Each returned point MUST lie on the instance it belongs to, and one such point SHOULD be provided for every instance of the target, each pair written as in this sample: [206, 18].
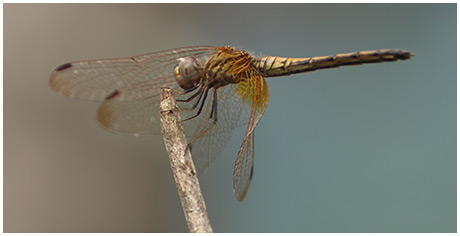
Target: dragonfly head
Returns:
[188, 73]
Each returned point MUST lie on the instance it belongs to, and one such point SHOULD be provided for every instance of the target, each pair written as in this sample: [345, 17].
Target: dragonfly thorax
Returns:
[228, 66]
[188, 73]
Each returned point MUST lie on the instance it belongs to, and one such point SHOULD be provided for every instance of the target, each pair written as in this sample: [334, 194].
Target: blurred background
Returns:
[355, 149]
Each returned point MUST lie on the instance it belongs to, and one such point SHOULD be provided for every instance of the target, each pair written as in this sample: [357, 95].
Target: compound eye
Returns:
[188, 73]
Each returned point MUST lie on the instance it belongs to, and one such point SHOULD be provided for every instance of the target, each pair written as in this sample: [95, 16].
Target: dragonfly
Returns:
[217, 90]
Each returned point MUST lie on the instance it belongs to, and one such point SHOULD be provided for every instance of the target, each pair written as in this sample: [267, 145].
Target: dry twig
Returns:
[182, 165]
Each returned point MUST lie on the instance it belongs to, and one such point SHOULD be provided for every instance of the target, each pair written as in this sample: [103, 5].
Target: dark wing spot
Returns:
[134, 59]
[252, 172]
[64, 66]
[112, 95]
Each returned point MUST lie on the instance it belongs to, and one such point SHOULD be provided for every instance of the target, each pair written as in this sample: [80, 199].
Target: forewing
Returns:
[94, 80]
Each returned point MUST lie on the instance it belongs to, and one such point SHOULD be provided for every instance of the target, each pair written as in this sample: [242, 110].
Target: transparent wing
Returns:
[94, 80]
[134, 109]
[244, 166]
[256, 92]
[131, 84]
[231, 113]
[238, 104]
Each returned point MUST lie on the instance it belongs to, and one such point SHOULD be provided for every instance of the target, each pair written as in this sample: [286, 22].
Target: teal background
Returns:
[356, 149]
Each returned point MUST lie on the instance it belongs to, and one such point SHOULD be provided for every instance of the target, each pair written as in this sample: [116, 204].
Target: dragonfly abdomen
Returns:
[280, 66]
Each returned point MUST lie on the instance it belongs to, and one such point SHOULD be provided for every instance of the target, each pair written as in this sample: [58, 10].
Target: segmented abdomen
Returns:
[279, 66]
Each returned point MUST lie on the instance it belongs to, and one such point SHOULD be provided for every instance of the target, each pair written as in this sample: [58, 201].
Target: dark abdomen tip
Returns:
[401, 54]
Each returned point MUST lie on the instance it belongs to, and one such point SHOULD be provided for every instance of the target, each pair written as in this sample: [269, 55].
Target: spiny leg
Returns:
[203, 101]
[214, 106]
[193, 95]
[212, 115]
[185, 91]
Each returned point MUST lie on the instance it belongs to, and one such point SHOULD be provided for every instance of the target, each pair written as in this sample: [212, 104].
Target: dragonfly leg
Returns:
[214, 106]
[196, 104]
[199, 92]
[184, 92]
[212, 115]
